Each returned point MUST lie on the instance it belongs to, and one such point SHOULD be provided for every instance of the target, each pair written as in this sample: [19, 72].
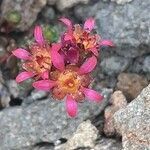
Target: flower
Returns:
[39, 59]
[86, 41]
[70, 52]
[71, 83]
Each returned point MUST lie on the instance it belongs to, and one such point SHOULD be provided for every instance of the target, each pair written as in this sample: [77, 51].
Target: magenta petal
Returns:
[56, 46]
[71, 106]
[24, 76]
[89, 24]
[44, 85]
[88, 66]
[106, 43]
[45, 75]
[38, 35]
[57, 59]
[94, 51]
[67, 22]
[92, 95]
[68, 37]
[21, 53]
[72, 55]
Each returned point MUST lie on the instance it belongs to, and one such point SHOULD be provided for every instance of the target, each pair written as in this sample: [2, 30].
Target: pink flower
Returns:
[71, 83]
[85, 40]
[39, 58]
[70, 52]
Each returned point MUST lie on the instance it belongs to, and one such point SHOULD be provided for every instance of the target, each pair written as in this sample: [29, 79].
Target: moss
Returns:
[13, 17]
[50, 33]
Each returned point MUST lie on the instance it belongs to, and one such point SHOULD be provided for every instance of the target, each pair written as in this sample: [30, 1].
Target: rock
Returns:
[137, 65]
[118, 101]
[146, 64]
[51, 2]
[133, 122]
[101, 144]
[141, 64]
[121, 24]
[48, 13]
[4, 97]
[27, 10]
[3, 44]
[4, 93]
[13, 88]
[108, 144]
[64, 4]
[106, 81]
[42, 121]
[34, 96]
[131, 84]
[114, 65]
[121, 1]
[85, 136]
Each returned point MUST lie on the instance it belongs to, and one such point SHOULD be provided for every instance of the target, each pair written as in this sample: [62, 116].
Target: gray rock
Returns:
[42, 121]
[114, 65]
[48, 13]
[85, 136]
[100, 144]
[108, 144]
[121, 1]
[34, 96]
[51, 2]
[4, 93]
[146, 64]
[141, 64]
[133, 122]
[64, 4]
[28, 11]
[121, 24]
[13, 88]
[137, 65]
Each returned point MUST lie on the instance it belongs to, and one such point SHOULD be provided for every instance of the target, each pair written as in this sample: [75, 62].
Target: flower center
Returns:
[69, 82]
[84, 38]
[41, 60]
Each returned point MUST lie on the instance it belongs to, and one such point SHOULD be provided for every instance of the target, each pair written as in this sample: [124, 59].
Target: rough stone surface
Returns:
[121, 24]
[131, 84]
[13, 88]
[133, 122]
[42, 121]
[121, 1]
[51, 2]
[146, 64]
[100, 144]
[48, 13]
[108, 144]
[118, 101]
[4, 93]
[35, 96]
[85, 136]
[3, 44]
[27, 9]
[114, 65]
[63, 4]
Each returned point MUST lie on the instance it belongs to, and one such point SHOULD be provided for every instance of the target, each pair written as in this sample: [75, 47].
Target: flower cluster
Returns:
[65, 67]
